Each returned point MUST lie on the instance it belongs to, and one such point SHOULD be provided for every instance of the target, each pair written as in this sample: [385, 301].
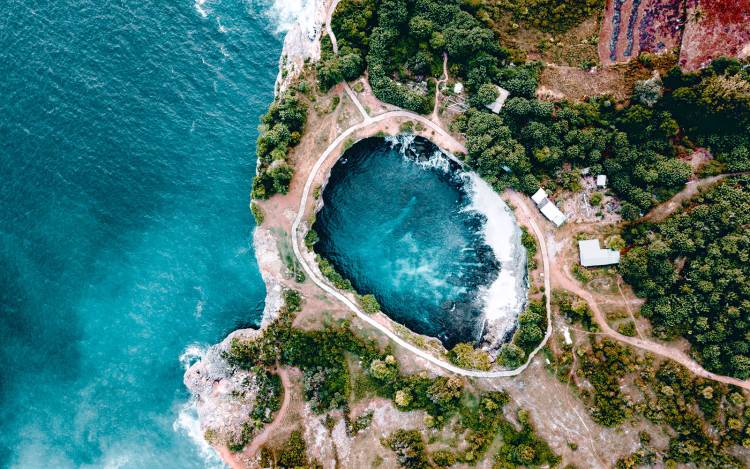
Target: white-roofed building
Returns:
[553, 213]
[540, 196]
[458, 88]
[502, 96]
[547, 208]
[601, 181]
[592, 255]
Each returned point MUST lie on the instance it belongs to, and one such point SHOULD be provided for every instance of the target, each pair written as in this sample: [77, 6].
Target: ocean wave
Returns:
[506, 296]
[283, 15]
[192, 354]
[405, 144]
[187, 424]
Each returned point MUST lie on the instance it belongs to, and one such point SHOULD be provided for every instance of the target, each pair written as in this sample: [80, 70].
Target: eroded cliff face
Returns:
[224, 395]
[302, 42]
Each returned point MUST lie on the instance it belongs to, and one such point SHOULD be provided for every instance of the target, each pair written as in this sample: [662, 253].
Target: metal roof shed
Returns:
[539, 197]
[553, 213]
[592, 255]
[502, 96]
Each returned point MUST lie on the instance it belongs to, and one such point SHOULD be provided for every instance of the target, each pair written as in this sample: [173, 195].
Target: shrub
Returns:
[329, 272]
[596, 199]
[627, 329]
[511, 355]
[409, 448]
[293, 453]
[257, 213]
[311, 238]
[369, 303]
[466, 356]
[648, 92]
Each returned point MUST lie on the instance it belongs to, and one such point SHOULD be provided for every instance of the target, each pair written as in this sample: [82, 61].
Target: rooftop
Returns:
[502, 96]
[553, 213]
[592, 255]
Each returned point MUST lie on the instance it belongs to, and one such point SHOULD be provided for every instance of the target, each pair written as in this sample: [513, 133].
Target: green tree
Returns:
[487, 94]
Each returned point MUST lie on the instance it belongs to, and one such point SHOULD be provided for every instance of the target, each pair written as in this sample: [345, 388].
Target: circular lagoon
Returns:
[436, 245]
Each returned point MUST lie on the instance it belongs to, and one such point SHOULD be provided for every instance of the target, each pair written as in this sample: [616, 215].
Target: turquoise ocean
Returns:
[127, 136]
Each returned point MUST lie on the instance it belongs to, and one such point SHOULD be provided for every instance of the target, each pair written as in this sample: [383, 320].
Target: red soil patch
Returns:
[723, 12]
[715, 28]
[701, 29]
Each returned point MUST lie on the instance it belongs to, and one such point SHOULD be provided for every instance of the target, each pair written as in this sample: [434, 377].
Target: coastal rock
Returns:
[224, 395]
[271, 270]
[302, 43]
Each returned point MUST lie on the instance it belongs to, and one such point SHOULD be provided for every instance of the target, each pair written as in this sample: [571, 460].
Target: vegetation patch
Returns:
[694, 271]
[281, 129]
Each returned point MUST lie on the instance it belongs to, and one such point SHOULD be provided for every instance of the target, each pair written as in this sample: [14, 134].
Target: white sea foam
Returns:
[405, 145]
[187, 422]
[201, 303]
[222, 29]
[201, 8]
[506, 296]
[193, 353]
[286, 14]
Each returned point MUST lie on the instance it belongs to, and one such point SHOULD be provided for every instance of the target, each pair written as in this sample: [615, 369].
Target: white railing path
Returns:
[312, 274]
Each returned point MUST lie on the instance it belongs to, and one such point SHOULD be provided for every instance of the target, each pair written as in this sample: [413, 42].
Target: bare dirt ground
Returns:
[576, 47]
[715, 28]
[562, 82]
[579, 207]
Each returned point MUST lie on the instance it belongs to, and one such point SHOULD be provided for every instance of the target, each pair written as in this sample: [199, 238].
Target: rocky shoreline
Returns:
[211, 380]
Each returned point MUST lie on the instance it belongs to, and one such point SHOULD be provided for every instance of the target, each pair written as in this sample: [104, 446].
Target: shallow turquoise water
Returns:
[397, 222]
[126, 153]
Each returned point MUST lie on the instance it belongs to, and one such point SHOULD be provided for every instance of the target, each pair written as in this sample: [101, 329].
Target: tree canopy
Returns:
[694, 271]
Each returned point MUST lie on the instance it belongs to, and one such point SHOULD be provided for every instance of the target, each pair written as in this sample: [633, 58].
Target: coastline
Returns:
[210, 379]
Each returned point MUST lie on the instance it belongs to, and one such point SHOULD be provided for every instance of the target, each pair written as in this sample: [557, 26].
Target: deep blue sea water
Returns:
[127, 136]
[397, 220]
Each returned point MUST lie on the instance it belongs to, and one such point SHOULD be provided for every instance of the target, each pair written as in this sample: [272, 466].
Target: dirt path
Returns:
[371, 125]
[335, 46]
[663, 210]
[628, 308]
[444, 79]
[692, 188]
[564, 279]
[238, 460]
[261, 438]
